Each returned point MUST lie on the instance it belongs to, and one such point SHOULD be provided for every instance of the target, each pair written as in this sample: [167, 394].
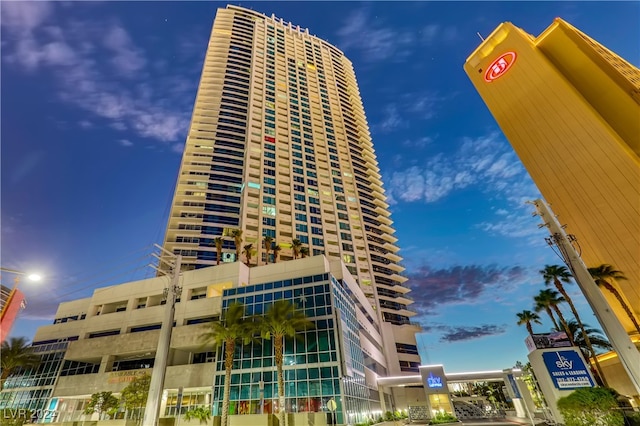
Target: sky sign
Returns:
[567, 370]
[434, 381]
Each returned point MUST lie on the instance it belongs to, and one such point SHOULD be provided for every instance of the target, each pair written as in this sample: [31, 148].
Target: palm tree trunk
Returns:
[587, 341]
[529, 329]
[278, 342]
[564, 325]
[553, 319]
[228, 366]
[624, 305]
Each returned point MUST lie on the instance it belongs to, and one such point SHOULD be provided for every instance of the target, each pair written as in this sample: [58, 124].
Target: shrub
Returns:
[203, 414]
[633, 419]
[443, 417]
[591, 407]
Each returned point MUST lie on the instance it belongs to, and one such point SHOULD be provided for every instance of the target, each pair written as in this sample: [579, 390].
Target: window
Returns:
[301, 217]
[316, 231]
[317, 242]
[269, 221]
[268, 210]
[301, 228]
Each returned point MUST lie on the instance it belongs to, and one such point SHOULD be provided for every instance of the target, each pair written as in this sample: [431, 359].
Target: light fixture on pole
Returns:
[10, 307]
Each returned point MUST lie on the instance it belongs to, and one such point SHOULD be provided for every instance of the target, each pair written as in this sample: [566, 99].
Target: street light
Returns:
[10, 297]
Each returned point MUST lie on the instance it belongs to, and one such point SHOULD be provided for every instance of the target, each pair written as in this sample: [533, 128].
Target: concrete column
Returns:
[383, 404]
[106, 363]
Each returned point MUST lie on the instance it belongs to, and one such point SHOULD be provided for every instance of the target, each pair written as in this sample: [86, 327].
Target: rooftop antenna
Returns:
[480, 36]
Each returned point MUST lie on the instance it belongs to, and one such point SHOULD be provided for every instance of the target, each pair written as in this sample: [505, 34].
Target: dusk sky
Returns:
[96, 101]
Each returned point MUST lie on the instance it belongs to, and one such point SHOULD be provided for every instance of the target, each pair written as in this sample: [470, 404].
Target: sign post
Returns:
[559, 372]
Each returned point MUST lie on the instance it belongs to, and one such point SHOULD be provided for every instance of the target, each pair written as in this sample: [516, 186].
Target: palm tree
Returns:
[247, 250]
[268, 242]
[296, 244]
[304, 252]
[527, 317]
[596, 339]
[543, 303]
[556, 275]
[282, 320]
[276, 252]
[218, 243]
[233, 329]
[550, 299]
[237, 240]
[601, 275]
[16, 354]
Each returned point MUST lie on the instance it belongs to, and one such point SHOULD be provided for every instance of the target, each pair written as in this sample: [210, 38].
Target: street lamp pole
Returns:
[627, 352]
[16, 281]
[154, 399]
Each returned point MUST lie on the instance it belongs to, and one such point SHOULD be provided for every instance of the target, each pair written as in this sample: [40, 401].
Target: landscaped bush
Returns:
[632, 419]
[443, 417]
[202, 414]
[591, 407]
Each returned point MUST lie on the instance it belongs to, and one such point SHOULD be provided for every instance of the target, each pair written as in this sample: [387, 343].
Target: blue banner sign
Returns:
[567, 370]
[514, 386]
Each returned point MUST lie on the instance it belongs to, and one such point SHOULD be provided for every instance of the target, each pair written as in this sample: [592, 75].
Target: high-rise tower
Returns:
[279, 147]
[570, 108]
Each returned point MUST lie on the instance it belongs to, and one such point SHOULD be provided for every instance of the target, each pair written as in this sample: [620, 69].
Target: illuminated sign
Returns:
[434, 381]
[500, 66]
[567, 370]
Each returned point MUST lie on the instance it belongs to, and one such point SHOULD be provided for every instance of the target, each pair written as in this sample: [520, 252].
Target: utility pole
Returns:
[171, 293]
[627, 352]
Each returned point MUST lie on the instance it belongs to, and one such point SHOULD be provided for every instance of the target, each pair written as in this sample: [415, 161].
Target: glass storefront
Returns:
[320, 364]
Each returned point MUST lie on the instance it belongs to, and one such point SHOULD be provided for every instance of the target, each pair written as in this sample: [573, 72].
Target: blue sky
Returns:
[96, 99]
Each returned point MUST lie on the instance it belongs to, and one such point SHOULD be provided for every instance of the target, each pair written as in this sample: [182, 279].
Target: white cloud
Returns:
[377, 43]
[391, 120]
[25, 16]
[78, 54]
[486, 162]
[85, 124]
[419, 143]
[435, 33]
[127, 58]
[125, 142]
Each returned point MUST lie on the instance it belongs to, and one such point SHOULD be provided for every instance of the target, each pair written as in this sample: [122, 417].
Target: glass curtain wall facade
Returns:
[323, 363]
[279, 147]
[31, 389]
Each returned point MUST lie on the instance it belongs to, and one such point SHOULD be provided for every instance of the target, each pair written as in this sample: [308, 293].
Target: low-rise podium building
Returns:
[103, 342]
